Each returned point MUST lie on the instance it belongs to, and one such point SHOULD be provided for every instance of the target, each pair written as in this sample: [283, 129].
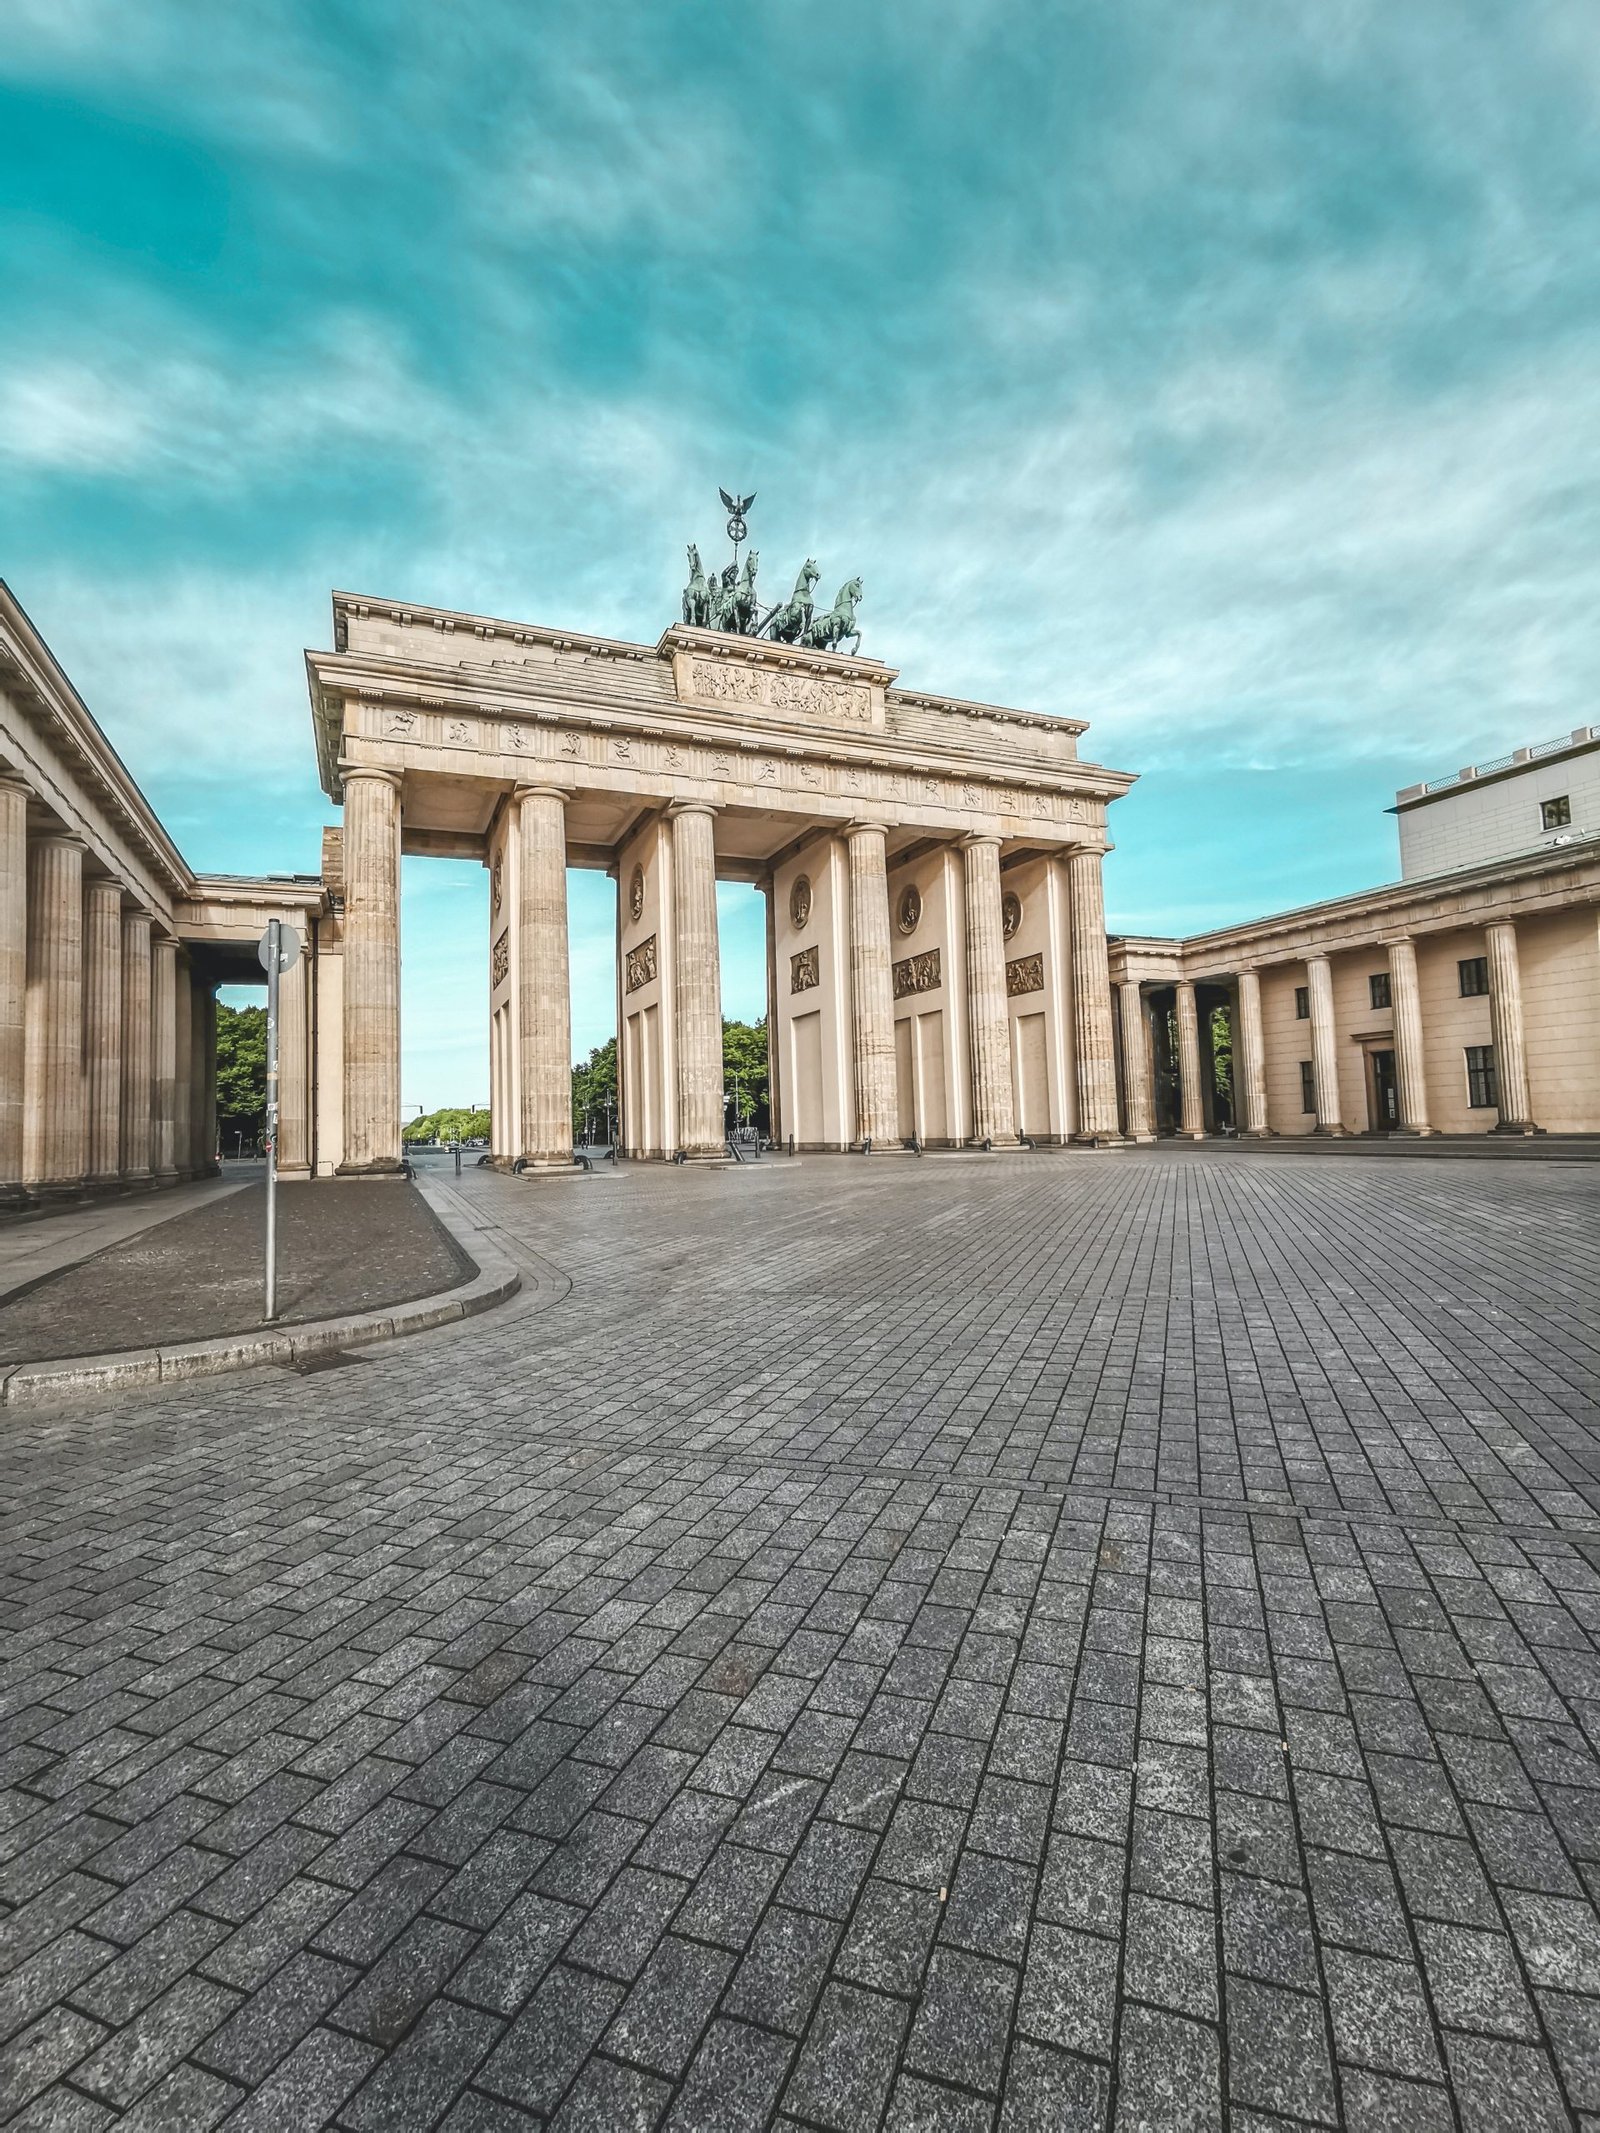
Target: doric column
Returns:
[163, 1059]
[544, 1007]
[182, 1065]
[1411, 1084]
[1091, 998]
[208, 1106]
[371, 972]
[13, 982]
[52, 1124]
[294, 1109]
[134, 1133]
[1191, 1103]
[202, 1051]
[697, 982]
[1505, 1019]
[1324, 1044]
[102, 1031]
[994, 1116]
[871, 995]
[1136, 1064]
[1250, 1059]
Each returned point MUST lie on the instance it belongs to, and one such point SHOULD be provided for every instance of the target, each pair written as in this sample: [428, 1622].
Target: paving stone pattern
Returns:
[1043, 1643]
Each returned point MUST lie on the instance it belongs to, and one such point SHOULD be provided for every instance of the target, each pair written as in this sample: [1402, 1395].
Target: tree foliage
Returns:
[744, 1071]
[463, 1124]
[241, 1072]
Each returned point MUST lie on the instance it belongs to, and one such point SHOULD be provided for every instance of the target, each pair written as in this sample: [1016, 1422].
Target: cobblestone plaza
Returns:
[1036, 1641]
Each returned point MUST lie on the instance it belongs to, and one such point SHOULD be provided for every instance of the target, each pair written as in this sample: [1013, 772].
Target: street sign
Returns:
[288, 946]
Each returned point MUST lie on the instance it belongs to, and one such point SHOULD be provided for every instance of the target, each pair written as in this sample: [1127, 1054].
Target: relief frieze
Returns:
[500, 958]
[642, 964]
[801, 696]
[1024, 974]
[917, 973]
[805, 970]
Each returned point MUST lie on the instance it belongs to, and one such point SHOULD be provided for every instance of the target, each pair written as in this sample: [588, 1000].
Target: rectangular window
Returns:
[1555, 814]
[1308, 1086]
[1474, 974]
[1302, 1003]
[1378, 986]
[1483, 1092]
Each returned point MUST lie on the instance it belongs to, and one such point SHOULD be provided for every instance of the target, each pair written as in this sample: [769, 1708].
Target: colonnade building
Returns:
[938, 966]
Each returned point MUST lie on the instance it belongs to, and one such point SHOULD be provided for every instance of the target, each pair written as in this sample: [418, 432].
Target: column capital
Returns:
[14, 781]
[1319, 955]
[350, 772]
[969, 839]
[693, 807]
[866, 827]
[68, 840]
[530, 791]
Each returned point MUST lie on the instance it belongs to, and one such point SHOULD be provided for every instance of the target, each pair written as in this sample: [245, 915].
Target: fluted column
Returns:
[1091, 998]
[208, 1084]
[1136, 1064]
[102, 1031]
[1324, 1044]
[994, 1117]
[697, 983]
[1411, 1082]
[202, 1044]
[1250, 1060]
[163, 1059]
[544, 1007]
[134, 1134]
[371, 973]
[294, 1109]
[52, 1125]
[1191, 1103]
[182, 1065]
[871, 995]
[13, 982]
[1505, 1018]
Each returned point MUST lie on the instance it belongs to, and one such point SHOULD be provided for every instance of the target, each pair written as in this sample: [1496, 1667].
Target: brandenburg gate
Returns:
[936, 944]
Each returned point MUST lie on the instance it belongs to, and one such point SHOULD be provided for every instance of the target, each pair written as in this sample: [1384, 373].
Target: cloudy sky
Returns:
[1228, 375]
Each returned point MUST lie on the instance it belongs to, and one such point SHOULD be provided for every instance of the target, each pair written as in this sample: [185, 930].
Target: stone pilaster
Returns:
[1505, 1017]
[544, 1005]
[52, 1123]
[134, 1131]
[13, 983]
[163, 1060]
[871, 991]
[294, 1096]
[994, 1115]
[1136, 1064]
[697, 983]
[1091, 998]
[1411, 1083]
[1250, 1059]
[102, 1032]
[1324, 1045]
[371, 973]
[1191, 1101]
[182, 1066]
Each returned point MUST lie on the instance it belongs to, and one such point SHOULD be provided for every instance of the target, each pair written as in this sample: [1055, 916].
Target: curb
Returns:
[28, 1385]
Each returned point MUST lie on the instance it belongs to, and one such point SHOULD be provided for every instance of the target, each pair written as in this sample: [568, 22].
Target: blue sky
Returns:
[1227, 375]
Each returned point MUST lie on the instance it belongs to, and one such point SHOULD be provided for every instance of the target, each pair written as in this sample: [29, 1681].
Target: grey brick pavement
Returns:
[1049, 1642]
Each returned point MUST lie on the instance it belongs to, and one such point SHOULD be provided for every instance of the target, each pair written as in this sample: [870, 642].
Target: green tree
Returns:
[459, 1124]
[241, 1072]
[744, 1071]
[594, 1085]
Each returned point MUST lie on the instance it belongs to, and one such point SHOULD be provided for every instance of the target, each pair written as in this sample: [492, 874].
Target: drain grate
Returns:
[322, 1359]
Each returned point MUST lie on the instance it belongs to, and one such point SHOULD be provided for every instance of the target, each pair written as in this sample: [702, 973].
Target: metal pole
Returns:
[274, 936]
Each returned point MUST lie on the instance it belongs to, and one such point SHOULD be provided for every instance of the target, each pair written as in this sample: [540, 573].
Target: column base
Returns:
[1189, 1133]
[1100, 1140]
[1413, 1133]
[544, 1166]
[288, 1174]
[389, 1167]
[1329, 1133]
[1523, 1131]
[718, 1154]
[16, 1200]
[1256, 1133]
[55, 1192]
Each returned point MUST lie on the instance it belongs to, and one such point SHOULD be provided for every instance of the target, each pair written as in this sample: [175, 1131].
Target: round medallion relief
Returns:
[1010, 913]
[908, 913]
[636, 893]
[800, 902]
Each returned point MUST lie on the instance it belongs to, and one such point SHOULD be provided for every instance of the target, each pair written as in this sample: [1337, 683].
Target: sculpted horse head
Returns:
[806, 582]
